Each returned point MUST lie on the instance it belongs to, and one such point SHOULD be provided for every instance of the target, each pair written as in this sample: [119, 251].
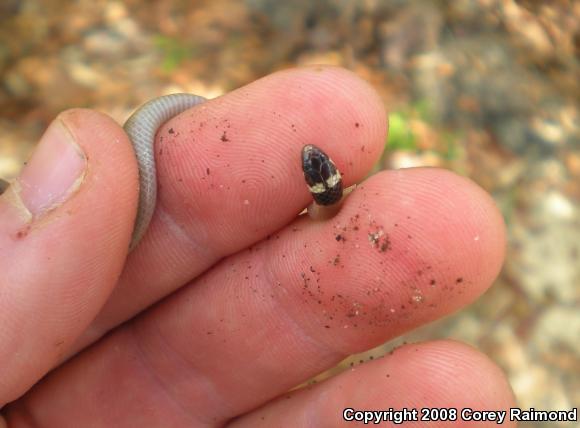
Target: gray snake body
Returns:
[322, 177]
[141, 128]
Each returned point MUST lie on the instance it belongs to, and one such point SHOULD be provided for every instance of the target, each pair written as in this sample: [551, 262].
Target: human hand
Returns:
[231, 299]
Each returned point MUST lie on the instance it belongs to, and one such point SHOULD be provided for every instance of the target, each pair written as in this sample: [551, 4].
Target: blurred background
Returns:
[487, 88]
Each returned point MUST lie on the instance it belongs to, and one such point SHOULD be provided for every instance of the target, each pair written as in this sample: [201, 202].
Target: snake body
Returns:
[322, 177]
[141, 128]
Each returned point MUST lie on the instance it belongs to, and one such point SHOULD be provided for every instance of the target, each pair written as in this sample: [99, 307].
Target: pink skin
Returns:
[260, 300]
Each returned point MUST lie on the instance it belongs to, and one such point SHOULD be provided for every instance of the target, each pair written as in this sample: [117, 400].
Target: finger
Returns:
[230, 174]
[437, 375]
[64, 229]
[266, 319]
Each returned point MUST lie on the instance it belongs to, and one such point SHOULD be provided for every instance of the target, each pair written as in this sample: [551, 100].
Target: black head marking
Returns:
[321, 175]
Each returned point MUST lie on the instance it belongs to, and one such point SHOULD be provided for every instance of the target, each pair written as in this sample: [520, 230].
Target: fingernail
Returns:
[54, 172]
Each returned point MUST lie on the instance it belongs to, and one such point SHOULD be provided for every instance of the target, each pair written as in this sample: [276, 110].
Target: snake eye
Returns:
[322, 177]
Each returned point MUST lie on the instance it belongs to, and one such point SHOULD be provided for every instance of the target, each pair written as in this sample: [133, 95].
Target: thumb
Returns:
[65, 226]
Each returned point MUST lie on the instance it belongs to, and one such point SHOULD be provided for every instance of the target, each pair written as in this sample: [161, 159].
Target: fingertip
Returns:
[448, 217]
[422, 383]
[480, 227]
[454, 368]
[407, 247]
[344, 113]
[103, 206]
[112, 176]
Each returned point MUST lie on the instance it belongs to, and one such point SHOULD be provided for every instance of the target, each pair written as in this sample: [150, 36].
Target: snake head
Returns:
[322, 177]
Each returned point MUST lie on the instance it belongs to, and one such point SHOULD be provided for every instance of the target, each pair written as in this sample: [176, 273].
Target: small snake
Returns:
[141, 128]
[322, 177]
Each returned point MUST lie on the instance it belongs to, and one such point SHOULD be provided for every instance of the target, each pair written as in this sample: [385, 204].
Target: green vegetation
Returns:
[173, 51]
[400, 135]
[451, 150]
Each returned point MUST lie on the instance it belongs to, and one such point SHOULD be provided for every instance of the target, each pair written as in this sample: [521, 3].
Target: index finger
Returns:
[229, 175]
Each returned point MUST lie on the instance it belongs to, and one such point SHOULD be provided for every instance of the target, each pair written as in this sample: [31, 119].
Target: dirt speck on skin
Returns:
[385, 245]
[374, 238]
[380, 310]
[171, 131]
[380, 240]
[22, 233]
[418, 298]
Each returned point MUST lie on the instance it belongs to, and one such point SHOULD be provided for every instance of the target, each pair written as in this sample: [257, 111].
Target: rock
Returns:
[546, 231]
[557, 333]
